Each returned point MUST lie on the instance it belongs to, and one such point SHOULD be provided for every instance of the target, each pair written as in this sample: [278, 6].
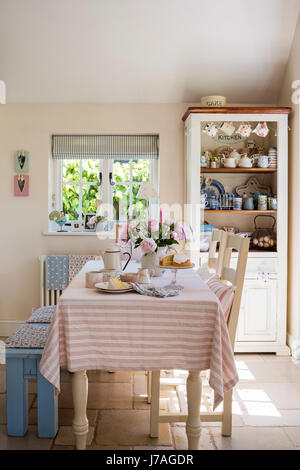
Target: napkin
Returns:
[155, 291]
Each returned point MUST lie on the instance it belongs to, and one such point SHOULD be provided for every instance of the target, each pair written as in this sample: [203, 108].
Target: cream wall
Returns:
[29, 126]
[293, 73]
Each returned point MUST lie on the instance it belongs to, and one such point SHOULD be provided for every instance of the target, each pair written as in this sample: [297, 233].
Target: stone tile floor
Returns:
[266, 410]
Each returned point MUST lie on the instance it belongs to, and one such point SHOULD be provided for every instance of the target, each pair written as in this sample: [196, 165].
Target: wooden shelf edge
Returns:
[237, 110]
[238, 170]
[211, 211]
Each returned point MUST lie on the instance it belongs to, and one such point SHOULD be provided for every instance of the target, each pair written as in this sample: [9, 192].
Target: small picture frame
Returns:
[21, 185]
[21, 161]
[89, 227]
[76, 226]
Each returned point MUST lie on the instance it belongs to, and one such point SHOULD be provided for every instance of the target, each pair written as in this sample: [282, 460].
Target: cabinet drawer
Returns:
[255, 265]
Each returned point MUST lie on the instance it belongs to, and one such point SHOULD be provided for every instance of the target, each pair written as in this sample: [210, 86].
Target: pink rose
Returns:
[153, 225]
[148, 245]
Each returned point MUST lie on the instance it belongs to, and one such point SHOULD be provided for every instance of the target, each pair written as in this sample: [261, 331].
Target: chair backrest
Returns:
[215, 257]
[56, 272]
[235, 276]
[48, 296]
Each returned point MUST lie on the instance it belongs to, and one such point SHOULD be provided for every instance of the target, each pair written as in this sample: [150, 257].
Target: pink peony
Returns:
[174, 235]
[153, 225]
[131, 224]
[148, 245]
[183, 231]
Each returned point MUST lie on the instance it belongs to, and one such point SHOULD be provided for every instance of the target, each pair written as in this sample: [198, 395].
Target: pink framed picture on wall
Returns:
[21, 185]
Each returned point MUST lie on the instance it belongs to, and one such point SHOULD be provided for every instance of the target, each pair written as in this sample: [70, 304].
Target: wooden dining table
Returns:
[92, 330]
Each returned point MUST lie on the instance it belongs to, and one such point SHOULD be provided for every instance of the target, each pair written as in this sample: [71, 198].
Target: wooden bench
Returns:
[24, 349]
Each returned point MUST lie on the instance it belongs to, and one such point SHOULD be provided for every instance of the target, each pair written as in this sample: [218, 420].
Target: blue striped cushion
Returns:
[42, 315]
[28, 336]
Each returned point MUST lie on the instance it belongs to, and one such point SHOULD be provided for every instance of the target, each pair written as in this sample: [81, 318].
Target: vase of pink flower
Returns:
[155, 237]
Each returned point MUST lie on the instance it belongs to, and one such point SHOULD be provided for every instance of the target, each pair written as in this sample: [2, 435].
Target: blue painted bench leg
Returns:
[16, 397]
[47, 406]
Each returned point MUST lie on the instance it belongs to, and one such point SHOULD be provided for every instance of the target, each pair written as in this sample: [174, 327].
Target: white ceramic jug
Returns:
[228, 162]
[112, 257]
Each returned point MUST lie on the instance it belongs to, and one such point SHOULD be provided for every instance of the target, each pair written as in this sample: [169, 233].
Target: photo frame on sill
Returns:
[89, 227]
[76, 226]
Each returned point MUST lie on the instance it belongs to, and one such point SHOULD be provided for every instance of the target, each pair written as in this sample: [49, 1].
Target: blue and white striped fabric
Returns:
[107, 147]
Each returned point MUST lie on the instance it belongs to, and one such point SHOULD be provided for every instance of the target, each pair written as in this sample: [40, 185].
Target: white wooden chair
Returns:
[234, 276]
[215, 254]
[213, 266]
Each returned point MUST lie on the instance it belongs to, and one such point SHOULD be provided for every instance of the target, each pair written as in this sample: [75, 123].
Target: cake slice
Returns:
[181, 260]
[167, 260]
[115, 283]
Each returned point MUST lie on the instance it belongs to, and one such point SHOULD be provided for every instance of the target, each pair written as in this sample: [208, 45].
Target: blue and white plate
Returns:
[214, 189]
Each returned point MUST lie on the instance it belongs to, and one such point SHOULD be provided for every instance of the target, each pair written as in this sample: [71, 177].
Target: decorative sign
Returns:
[229, 139]
[21, 185]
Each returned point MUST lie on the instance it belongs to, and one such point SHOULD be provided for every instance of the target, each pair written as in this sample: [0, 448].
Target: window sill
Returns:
[73, 234]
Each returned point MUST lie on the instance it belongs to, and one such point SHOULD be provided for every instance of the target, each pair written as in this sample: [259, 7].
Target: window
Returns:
[128, 177]
[110, 168]
[116, 182]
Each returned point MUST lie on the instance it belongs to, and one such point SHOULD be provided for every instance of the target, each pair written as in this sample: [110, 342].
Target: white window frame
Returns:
[105, 190]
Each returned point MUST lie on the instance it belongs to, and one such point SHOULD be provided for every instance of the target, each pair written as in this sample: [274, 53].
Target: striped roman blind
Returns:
[116, 147]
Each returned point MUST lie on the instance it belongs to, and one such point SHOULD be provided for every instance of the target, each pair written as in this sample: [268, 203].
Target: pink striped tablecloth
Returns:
[92, 330]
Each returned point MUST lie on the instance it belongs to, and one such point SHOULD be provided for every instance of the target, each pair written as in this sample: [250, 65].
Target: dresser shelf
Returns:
[239, 170]
[211, 211]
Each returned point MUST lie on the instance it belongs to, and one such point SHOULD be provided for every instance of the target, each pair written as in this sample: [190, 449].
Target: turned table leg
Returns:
[80, 422]
[193, 424]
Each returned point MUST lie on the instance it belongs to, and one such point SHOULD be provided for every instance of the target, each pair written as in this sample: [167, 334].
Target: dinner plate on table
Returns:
[103, 287]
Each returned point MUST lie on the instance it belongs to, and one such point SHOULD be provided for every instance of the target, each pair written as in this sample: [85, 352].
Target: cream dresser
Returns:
[262, 321]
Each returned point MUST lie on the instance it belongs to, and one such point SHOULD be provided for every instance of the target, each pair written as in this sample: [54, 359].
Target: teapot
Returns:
[236, 155]
[112, 257]
[246, 162]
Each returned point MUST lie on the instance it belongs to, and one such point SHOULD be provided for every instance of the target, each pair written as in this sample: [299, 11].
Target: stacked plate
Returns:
[273, 157]
[104, 287]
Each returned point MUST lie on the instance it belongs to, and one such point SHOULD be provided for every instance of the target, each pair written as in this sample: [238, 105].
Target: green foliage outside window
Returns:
[90, 174]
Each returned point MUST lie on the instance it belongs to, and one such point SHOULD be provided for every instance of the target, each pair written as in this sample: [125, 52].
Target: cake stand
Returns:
[174, 270]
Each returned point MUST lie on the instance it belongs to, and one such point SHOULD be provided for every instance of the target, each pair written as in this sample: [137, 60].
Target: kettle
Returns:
[112, 257]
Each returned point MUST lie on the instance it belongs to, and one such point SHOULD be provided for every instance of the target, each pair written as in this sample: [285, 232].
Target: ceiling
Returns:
[145, 50]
